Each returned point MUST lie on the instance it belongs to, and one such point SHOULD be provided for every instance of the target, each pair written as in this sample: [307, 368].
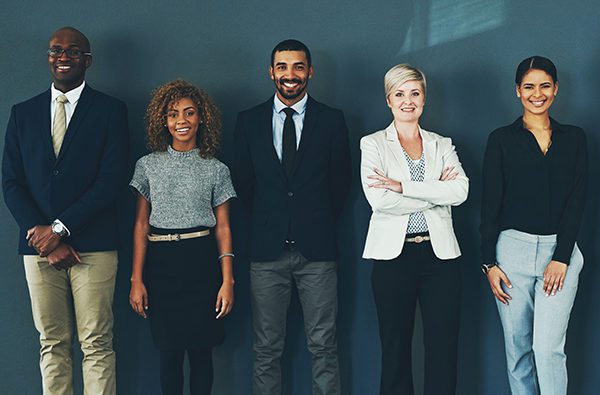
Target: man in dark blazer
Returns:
[64, 162]
[292, 171]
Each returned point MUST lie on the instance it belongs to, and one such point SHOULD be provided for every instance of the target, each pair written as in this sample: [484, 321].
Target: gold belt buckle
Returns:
[419, 239]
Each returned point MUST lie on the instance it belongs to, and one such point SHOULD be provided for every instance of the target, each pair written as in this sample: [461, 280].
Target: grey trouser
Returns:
[86, 290]
[271, 289]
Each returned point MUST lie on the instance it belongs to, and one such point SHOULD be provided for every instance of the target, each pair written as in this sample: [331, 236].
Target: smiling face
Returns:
[407, 101]
[182, 122]
[537, 91]
[290, 72]
[68, 73]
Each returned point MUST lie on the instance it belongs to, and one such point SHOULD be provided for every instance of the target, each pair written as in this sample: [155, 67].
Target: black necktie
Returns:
[289, 142]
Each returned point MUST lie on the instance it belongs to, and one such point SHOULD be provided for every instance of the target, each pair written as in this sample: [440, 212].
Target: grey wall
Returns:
[469, 50]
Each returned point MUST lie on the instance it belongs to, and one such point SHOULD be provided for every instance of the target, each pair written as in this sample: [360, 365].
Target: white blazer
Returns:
[387, 228]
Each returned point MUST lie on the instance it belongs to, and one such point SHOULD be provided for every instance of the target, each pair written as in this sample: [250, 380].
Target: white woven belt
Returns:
[417, 239]
[178, 236]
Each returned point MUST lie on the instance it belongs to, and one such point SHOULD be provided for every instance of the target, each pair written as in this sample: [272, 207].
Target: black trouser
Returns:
[417, 274]
[201, 371]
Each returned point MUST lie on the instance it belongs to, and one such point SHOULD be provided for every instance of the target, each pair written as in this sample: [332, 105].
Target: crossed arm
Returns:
[401, 197]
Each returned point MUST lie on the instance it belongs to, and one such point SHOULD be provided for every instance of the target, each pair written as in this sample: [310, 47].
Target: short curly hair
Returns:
[158, 137]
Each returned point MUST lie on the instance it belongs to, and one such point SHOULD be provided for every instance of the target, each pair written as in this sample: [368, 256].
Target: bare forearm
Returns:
[225, 246]
[140, 243]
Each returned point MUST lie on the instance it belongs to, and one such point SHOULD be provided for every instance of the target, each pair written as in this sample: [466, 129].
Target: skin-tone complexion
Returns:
[182, 122]
[536, 92]
[406, 103]
[290, 72]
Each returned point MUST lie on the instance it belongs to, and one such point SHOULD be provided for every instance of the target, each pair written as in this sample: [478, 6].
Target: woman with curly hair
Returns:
[181, 238]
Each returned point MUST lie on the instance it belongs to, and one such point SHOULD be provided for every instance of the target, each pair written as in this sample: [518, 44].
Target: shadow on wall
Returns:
[442, 21]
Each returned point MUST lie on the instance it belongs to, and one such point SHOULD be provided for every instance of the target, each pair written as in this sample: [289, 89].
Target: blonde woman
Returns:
[411, 178]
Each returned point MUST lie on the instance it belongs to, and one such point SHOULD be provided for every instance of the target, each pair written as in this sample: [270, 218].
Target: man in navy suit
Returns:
[292, 171]
[65, 160]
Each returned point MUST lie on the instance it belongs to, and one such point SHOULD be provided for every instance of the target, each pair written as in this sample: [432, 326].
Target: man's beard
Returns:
[298, 90]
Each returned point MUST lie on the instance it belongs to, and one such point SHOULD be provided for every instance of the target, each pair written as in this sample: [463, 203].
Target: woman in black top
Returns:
[534, 187]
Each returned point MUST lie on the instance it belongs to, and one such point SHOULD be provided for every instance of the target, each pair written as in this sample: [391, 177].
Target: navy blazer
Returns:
[308, 204]
[80, 186]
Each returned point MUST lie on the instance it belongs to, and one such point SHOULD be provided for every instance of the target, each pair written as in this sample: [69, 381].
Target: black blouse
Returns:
[530, 192]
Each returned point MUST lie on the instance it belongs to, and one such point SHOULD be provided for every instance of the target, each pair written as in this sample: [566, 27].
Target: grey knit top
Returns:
[182, 188]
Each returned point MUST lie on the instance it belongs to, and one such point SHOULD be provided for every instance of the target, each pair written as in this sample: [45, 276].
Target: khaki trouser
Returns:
[82, 295]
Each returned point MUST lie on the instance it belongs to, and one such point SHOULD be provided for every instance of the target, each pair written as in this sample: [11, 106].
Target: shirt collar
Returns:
[299, 107]
[519, 127]
[73, 95]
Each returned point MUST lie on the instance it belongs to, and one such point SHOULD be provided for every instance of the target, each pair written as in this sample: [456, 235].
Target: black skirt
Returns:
[183, 279]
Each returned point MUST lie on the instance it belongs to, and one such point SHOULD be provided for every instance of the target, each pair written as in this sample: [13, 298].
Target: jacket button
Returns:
[55, 172]
[290, 194]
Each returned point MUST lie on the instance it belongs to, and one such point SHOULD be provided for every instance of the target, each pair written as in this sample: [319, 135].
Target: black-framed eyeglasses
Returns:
[72, 53]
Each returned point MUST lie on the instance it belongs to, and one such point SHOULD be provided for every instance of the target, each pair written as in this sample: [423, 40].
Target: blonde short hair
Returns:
[400, 74]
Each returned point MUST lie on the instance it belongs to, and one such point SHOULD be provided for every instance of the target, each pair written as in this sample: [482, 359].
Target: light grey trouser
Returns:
[535, 325]
[87, 290]
[271, 288]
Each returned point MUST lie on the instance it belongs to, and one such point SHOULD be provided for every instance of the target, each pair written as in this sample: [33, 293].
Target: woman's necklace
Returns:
[541, 132]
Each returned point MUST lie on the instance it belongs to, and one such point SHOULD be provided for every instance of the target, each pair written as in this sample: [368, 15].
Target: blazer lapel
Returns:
[430, 152]
[265, 126]
[45, 126]
[308, 127]
[393, 145]
[83, 105]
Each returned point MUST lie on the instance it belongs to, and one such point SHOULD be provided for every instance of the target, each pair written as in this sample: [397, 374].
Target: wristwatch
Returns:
[59, 229]
[486, 267]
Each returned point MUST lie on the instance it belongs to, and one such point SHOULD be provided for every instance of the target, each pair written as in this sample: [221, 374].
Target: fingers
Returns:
[561, 283]
[445, 173]
[496, 277]
[552, 283]
[452, 176]
[218, 304]
[555, 286]
[224, 307]
[499, 293]
[449, 174]
[380, 184]
[75, 254]
[378, 172]
[140, 305]
[505, 280]
[30, 233]
[145, 303]
[141, 308]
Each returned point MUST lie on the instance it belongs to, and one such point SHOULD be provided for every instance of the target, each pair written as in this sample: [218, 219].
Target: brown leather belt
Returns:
[178, 236]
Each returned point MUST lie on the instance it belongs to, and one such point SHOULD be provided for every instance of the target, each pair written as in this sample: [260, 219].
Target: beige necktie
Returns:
[59, 126]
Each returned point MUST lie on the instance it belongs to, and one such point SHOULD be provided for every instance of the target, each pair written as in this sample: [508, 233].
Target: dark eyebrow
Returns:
[187, 108]
[69, 46]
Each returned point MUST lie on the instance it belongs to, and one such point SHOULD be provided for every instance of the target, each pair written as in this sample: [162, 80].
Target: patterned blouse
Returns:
[416, 221]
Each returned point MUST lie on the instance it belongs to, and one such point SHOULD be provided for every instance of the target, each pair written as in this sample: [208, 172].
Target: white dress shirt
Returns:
[73, 96]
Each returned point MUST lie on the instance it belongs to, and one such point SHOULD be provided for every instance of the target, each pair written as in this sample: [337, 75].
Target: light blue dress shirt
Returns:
[279, 119]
